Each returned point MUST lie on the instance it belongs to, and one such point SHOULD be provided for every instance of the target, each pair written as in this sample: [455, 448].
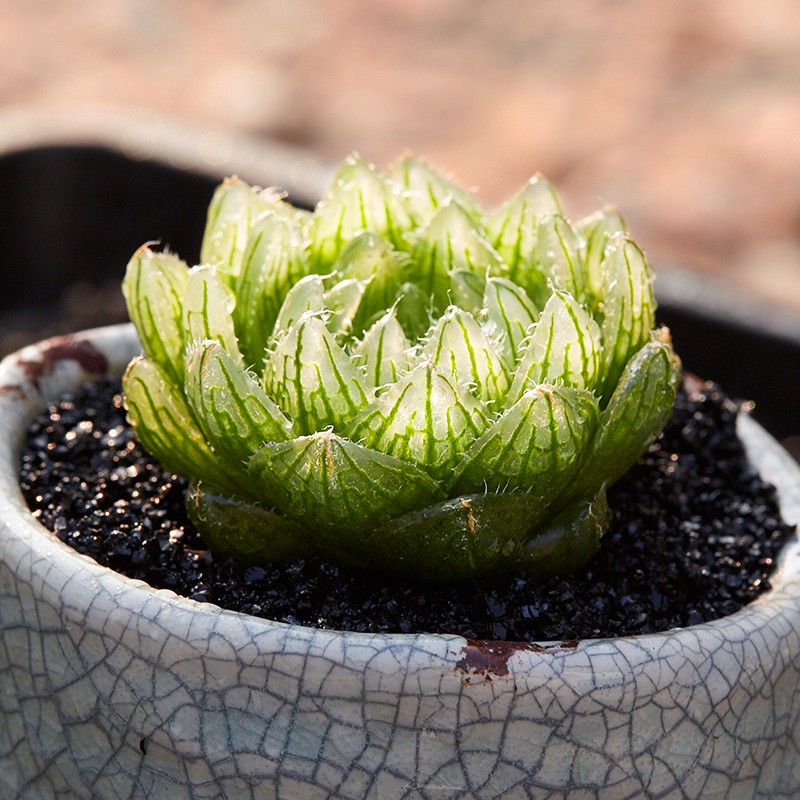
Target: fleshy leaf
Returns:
[488, 534]
[372, 259]
[273, 262]
[208, 310]
[413, 309]
[427, 189]
[359, 199]
[638, 410]
[233, 411]
[509, 313]
[452, 241]
[166, 427]
[559, 260]
[537, 446]
[425, 418]
[467, 289]
[233, 210]
[459, 347]
[246, 532]
[383, 352]
[342, 301]
[154, 289]
[629, 309]
[512, 228]
[312, 379]
[307, 295]
[325, 480]
[563, 348]
[598, 230]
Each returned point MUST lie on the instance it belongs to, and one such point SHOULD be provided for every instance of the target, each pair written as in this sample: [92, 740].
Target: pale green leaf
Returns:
[426, 189]
[359, 199]
[512, 228]
[467, 289]
[235, 414]
[325, 480]
[233, 210]
[273, 262]
[425, 418]
[558, 260]
[598, 230]
[383, 352]
[462, 351]
[154, 288]
[372, 259]
[509, 314]
[637, 412]
[342, 301]
[167, 428]
[537, 446]
[452, 241]
[563, 348]
[307, 295]
[208, 310]
[628, 307]
[312, 379]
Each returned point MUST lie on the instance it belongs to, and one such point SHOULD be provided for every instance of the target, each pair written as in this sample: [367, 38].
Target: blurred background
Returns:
[683, 113]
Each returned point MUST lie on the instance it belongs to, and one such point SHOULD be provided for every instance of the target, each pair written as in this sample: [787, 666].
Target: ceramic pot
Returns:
[110, 689]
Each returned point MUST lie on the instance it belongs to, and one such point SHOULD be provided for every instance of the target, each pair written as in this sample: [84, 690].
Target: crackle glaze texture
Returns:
[109, 689]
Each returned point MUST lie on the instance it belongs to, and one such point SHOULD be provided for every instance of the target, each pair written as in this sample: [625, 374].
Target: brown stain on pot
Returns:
[61, 348]
[488, 657]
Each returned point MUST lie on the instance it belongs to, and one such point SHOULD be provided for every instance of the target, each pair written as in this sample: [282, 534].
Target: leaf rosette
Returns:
[397, 380]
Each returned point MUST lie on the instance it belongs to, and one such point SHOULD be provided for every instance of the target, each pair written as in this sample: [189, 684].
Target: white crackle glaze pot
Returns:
[109, 689]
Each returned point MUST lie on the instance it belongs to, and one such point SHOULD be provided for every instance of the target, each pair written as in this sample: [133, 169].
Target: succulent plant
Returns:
[399, 381]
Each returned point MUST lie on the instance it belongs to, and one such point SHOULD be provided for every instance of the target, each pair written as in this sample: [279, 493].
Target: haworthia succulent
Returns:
[397, 381]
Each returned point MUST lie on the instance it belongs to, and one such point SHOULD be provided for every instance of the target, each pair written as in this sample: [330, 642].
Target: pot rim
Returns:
[39, 373]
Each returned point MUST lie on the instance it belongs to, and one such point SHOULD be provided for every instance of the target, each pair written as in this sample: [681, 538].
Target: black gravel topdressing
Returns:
[694, 538]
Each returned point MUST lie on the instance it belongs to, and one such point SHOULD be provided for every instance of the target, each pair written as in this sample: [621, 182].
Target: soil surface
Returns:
[695, 536]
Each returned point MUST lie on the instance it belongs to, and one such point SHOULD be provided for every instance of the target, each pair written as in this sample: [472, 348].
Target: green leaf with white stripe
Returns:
[509, 313]
[208, 310]
[312, 379]
[537, 446]
[154, 288]
[372, 259]
[307, 295]
[427, 189]
[467, 289]
[639, 408]
[342, 300]
[629, 309]
[563, 348]
[235, 414]
[426, 418]
[232, 213]
[383, 352]
[512, 228]
[359, 199]
[597, 231]
[460, 348]
[325, 480]
[273, 262]
[167, 428]
[559, 261]
[451, 242]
